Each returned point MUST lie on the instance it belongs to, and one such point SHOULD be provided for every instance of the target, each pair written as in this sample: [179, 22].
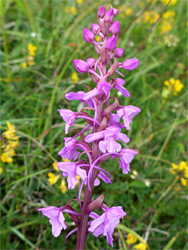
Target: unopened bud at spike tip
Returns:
[109, 15]
[88, 36]
[101, 12]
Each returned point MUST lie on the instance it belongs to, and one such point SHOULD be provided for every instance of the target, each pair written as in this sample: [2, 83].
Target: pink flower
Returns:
[56, 219]
[130, 64]
[126, 156]
[69, 151]
[69, 117]
[127, 113]
[71, 169]
[102, 88]
[81, 65]
[106, 223]
[114, 121]
[119, 86]
[110, 134]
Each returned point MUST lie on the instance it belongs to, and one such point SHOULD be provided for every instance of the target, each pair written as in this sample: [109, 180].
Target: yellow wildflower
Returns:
[169, 14]
[147, 16]
[165, 2]
[150, 17]
[75, 78]
[78, 177]
[10, 133]
[5, 157]
[174, 85]
[140, 246]
[54, 165]
[97, 38]
[24, 65]
[53, 178]
[79, 1]
[154, 18]
[131, 239]
[1, 170]
[73, 10]
[166, 27]
[128, 11]
[181, 172]
[32, 49]
[65, 159]
[63, 186]
[11, 143]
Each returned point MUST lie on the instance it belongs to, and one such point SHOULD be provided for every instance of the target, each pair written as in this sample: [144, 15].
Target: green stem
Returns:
[165, 193]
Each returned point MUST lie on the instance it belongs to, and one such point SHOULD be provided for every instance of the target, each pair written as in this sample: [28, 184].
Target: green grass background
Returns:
[30, 98]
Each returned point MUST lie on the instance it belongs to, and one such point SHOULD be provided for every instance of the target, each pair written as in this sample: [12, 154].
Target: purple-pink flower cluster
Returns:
[101, 139]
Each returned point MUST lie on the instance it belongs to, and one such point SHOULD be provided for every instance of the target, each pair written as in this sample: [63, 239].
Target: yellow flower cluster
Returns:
[140, 246]
[75, 78]
[12, 142]
[174, 85]
[181, 172]
[171, 40]
[167, 21]
[31, 50]
[72, 9]
[125, 11]
[131, 239]
[172, 2]
[150, 17]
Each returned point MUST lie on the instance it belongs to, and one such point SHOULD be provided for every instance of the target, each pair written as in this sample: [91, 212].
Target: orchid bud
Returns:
[101, 12]
[81, 65]
[115, 12]
[119, 52]
[95, 28]
[91, 61]
[108, 16]
[130, 64]
[115, 28]
[88, 36]
[111, 43]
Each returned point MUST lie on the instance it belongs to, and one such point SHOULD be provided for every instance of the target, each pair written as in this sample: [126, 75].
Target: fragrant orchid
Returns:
[101, 139]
